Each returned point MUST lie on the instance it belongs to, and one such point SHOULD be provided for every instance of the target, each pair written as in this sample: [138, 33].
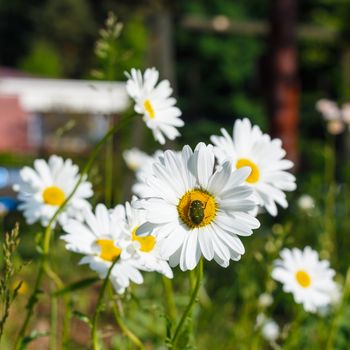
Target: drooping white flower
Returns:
[155, 103]
[248, 146]
[194, 210]
[43, 189]
[147, 247]
[101, 239]
[309, 279]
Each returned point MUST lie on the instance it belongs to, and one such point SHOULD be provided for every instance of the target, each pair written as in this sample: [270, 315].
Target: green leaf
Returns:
[75, 286]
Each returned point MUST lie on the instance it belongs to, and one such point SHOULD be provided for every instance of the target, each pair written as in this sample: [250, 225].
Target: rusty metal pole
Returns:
[283, 91]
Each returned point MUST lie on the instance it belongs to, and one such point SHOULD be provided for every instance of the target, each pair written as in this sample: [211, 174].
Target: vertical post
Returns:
[283, 94]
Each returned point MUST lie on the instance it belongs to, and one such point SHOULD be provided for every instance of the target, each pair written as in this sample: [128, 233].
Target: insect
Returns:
[196, 212]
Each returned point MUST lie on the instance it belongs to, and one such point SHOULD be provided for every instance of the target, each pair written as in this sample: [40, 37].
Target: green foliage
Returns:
[43, 60]
[8, 291]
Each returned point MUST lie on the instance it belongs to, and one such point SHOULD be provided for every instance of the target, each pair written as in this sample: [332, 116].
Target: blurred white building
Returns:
[56, 114]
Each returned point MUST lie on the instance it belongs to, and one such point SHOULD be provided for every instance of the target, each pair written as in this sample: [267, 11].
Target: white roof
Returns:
[78, 96]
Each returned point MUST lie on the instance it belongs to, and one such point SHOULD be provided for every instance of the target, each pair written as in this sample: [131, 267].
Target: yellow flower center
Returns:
[254, 175]
[109, 251]
[149, 109]
[303, 278]
[147, 243]
[197, 208]
[53, 195]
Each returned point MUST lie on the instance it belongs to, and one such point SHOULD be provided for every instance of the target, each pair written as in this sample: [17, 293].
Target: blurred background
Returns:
[268, 60]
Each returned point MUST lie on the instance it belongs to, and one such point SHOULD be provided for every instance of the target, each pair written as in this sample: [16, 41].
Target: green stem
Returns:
[44, 263]
[190, 304]
[330, 230]
[98, 308]
[66, 322]
[109, 167]
[125, 330]
[53, 324]
[336, 319]
[170, 305]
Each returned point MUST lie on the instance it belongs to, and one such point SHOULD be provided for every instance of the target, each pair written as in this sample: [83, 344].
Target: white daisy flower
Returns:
[101, 239]
[43, 189]
[154, 103]
[147, 247]
[248, 146]
[197, 211]
[309, 279]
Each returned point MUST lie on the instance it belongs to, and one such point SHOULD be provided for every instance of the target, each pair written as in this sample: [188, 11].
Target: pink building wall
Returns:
[13, 126]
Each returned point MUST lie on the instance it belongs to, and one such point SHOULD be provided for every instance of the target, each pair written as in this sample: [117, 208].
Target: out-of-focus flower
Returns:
[155, 103]
[309, 279]
[194, 210]
[335, 127]
[336, 117]
[328, 109]
[136, 159]
[43, 189]
[306, 202]
[248, 146]
[102, 240]
[147, 247]
[265, 300]
[270, 330]
[141, 163]
[346, 113]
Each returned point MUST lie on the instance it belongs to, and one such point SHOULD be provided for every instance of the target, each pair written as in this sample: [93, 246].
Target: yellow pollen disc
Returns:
[149, 109]
[254, 175]
[109, 251]
[197, 208]
[303, 278]
[147, 243]
[53, 195]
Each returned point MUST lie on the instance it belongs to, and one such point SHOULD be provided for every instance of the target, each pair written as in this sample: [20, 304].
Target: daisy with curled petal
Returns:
[155, 103]
[194, 210]
[309, 279]
[248, 146]
[43, 189]
[147, 247]
[101, 239]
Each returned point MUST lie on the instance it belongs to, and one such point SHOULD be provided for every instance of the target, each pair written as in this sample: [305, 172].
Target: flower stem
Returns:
[98, 308]
[44, 264]
[53, 324]
[330, 198]
[336, 318]
[170, 305]
[190, 304]
[125, 330]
